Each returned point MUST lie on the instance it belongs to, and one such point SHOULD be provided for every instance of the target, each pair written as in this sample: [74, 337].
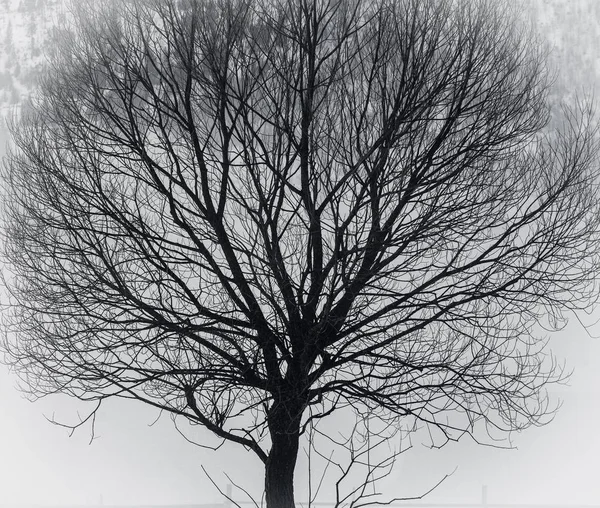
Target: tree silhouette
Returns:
[252, 214]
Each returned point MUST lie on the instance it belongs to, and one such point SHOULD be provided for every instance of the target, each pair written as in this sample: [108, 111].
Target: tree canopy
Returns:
[251, 214]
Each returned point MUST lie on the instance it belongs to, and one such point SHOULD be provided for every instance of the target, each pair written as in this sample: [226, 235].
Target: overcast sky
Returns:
[132, 462]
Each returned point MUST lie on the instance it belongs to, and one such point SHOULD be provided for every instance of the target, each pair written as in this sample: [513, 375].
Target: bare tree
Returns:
[251, 214]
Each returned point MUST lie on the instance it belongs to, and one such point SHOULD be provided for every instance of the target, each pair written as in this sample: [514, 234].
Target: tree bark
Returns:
[284, 427]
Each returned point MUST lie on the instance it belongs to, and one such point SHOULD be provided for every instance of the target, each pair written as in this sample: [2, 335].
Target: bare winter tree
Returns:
[251, 214]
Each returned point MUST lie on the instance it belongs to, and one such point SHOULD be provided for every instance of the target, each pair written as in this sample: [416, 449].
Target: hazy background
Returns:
[132, 462]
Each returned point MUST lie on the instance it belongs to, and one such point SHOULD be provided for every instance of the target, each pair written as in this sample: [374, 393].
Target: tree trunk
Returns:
[284, 427]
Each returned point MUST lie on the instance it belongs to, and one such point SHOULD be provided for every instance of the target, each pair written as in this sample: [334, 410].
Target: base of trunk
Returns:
[279, 469]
